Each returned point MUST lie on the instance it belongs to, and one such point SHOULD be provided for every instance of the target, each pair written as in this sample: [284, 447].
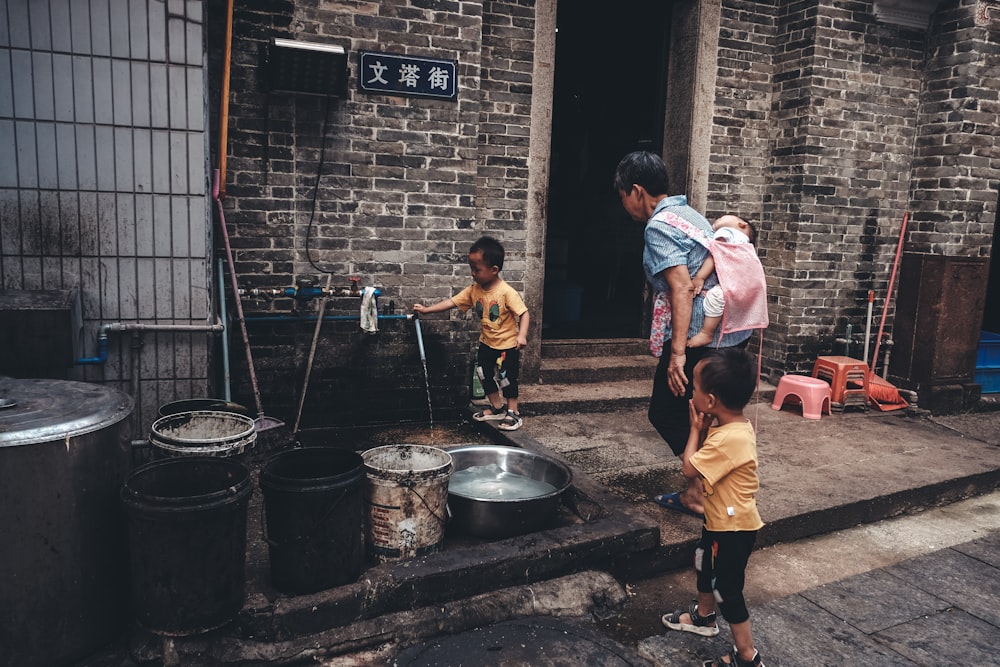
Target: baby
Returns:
[728, 229]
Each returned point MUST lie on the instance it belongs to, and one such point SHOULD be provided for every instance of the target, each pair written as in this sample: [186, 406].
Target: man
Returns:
[670, 258]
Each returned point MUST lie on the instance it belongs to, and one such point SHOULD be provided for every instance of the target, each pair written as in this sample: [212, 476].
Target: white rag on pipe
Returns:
[369, 311]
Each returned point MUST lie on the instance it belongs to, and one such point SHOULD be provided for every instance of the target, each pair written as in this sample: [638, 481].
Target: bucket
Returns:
[202, 433]
[312, 506]
[187, 529]
[201, 404]
[406, 496]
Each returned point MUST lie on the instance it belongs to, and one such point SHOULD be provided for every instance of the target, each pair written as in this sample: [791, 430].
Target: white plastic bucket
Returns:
[406, 498]
[202, 433]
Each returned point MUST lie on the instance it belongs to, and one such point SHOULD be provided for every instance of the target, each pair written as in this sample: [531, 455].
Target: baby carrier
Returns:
[740, 275]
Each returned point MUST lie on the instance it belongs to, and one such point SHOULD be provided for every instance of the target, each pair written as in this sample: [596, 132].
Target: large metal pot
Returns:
[63, 556]
[494, 516]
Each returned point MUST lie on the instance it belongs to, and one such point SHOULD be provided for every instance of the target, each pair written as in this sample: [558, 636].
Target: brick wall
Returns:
[957, 150]
[407, 185]
[842, 119]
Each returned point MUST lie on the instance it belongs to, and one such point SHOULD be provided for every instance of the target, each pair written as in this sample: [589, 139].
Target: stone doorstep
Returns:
[608, 535]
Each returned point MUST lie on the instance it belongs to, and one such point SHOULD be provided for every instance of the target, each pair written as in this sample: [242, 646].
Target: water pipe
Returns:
[420, 340]
[225, 334]
[302, 292]
[117, 327]
[326, 318]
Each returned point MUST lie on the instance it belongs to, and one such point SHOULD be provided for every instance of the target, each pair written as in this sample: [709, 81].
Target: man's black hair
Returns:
[642, 168]
[492, 251]
[731, 374]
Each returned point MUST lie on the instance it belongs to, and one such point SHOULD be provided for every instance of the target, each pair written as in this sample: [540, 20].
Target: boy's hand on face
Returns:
[700, 422]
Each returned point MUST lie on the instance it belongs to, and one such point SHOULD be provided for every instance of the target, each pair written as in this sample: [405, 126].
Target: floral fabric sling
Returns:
[740, 275]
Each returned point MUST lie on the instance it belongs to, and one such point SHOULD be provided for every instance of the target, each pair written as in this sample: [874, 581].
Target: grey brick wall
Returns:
[407, 185]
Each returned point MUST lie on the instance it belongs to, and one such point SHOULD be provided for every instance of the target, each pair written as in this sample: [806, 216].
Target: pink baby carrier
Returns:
[740, 275]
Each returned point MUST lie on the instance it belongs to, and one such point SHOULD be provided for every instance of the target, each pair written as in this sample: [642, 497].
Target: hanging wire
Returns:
[315, 195]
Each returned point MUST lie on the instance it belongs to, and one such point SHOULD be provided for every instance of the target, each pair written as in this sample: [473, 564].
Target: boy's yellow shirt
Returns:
[727, 462]
[498, 309]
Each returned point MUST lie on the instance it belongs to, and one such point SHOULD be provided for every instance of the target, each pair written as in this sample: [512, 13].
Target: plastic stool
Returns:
[848, 378]
[813, 394]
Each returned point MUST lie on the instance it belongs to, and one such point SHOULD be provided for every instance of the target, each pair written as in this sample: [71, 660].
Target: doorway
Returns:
[609, 95]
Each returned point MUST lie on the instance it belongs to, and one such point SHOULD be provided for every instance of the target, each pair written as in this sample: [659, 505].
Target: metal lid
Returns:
[38, 410]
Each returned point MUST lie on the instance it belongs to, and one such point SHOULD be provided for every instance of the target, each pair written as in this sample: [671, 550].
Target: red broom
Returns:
[881, 393]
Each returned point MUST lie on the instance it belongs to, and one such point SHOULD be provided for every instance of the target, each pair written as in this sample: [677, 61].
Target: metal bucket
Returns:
[406, 498]
[202, 433]
[64, 453]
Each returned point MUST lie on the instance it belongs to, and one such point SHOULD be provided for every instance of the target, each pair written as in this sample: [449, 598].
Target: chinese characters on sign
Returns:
[407, 75]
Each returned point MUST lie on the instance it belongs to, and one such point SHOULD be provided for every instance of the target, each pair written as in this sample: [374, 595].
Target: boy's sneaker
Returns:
[699, 625]
[491, 414]
[511, 422]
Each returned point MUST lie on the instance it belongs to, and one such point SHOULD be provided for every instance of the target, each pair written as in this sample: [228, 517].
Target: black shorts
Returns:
[510, 368]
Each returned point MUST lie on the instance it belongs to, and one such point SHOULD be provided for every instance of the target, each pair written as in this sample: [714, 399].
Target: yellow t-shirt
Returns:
[727, 462]
[498, 310]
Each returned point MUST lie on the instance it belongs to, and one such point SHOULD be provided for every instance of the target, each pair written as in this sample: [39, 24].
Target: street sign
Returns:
[389, 74]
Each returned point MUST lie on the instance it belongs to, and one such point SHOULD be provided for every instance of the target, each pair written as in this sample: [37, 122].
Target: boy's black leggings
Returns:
[721, 562]
[511, 366]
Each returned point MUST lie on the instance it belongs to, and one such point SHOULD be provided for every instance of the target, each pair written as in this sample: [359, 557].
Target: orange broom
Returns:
[881, 393]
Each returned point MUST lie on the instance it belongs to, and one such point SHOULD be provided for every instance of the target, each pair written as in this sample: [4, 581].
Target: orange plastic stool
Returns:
[814, 394]
[848, 378]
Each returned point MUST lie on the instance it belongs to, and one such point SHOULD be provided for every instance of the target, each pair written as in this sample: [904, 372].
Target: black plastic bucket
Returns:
[187, 525]
[202, 405]
[313, 518]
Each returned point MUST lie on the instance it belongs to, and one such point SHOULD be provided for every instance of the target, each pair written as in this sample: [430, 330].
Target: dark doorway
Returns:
[608, 100]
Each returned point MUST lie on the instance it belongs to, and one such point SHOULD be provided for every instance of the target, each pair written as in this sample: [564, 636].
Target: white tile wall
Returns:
[104, 178]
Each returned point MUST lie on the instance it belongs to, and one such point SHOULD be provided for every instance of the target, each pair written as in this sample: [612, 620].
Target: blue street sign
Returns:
[407, 75]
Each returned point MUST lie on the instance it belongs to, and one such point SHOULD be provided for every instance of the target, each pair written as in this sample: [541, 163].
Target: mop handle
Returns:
[888, 295]
[236, 295]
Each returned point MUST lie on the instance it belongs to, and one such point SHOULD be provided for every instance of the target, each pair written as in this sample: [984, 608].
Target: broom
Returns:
[881, 393]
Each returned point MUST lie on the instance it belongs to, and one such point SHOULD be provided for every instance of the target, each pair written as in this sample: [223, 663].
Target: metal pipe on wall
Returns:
[119, 327]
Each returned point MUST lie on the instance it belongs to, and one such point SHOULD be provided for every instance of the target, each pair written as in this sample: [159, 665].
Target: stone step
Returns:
[569, 370]
[594, 347]
[573, 398]
[554, 399]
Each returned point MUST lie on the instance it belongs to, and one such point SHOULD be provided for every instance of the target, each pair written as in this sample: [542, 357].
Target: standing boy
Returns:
[504, 320]
[724, 458]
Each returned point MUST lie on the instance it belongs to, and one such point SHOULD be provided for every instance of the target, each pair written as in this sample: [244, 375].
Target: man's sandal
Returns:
[733, 659]
[699, 625]
[491, 414]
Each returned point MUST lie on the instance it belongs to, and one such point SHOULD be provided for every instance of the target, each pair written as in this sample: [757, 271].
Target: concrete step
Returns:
[594, 347]
[567, 370]
[582, 397]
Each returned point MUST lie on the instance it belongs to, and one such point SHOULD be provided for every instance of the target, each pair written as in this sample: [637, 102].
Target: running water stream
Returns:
[423, 362]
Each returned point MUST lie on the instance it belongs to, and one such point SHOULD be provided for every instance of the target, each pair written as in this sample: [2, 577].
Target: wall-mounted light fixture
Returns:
[295, 66]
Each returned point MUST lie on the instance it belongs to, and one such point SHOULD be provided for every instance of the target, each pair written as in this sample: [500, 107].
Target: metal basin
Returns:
[488, 510]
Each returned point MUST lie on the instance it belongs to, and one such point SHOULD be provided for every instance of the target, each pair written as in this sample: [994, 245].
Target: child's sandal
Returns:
[733, 659]
[699, 625]
[491, 414]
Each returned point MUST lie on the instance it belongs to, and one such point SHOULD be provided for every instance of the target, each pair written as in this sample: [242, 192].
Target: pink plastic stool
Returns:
[812, 393]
